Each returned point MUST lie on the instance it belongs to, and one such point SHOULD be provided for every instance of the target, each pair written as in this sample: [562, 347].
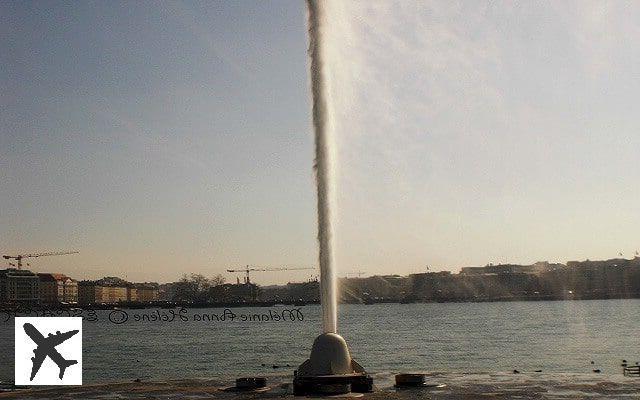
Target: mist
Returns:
[470, 133]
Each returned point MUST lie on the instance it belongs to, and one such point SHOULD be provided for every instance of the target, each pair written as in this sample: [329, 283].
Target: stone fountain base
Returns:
[330, 370]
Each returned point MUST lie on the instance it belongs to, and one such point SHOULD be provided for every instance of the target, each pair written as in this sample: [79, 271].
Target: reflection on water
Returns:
[563, 336]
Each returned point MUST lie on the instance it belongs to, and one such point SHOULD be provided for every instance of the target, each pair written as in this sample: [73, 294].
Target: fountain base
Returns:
[330, 370]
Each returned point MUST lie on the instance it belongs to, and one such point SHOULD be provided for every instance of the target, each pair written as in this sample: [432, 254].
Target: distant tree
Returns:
[200, 282]
[195, 287]
[185, 290]
[217, 280]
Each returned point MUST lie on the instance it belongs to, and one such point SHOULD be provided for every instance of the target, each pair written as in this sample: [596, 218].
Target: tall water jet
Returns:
[323, 167]
[330, 368]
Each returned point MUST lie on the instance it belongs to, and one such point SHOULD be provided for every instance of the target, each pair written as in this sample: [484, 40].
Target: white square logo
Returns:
[48, 351]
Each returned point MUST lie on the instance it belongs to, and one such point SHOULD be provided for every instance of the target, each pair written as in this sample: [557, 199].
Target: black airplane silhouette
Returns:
[47, 348]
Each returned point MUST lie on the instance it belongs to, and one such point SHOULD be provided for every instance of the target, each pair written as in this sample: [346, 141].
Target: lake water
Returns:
[560, 336]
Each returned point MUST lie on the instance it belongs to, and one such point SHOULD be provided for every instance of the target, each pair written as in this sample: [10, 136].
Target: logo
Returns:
[48, 351]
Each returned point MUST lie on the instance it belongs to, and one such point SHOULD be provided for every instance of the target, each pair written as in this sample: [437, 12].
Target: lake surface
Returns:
[558, 336]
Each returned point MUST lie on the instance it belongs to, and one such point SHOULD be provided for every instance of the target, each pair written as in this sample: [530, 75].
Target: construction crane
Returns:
[248, 269]
[19, 257]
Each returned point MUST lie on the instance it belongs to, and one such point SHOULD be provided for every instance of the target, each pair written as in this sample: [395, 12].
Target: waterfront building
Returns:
[111, 294]
[132, 293]
[112, 290]
[101, 292]
[538, 268]
[19, 287]
[57, 288]
[147, 292]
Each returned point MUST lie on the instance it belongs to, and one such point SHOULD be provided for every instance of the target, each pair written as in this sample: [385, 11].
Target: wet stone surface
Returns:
[452, 386]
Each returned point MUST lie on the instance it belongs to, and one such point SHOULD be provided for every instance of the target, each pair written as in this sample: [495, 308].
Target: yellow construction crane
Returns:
[248, 269]
[19, 257]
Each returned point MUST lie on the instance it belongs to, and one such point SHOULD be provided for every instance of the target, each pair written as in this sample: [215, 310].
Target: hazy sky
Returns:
[162, 138]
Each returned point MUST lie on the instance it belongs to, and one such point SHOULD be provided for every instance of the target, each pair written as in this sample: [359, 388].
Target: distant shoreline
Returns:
[264, 304]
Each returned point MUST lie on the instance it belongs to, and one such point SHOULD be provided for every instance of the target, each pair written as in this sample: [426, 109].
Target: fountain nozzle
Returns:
[330, 369]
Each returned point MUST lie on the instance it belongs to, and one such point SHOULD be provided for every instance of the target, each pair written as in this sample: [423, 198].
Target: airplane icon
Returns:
[46, 348]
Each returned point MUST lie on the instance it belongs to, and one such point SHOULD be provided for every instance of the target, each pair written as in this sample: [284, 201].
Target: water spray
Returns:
[323, 167]
[330, 368]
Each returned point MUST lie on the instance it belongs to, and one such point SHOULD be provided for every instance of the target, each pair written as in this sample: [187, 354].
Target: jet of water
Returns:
[323, 165]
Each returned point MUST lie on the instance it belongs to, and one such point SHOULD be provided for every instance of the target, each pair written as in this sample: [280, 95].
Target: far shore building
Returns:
[604, 264]
[102, 291]
[113, 290]
[19, 287]
[132, 293]
[538, 268]
[57, 288]
[147, 292]
[143, 292]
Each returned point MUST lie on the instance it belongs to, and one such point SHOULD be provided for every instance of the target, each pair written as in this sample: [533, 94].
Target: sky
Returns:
[158, 140]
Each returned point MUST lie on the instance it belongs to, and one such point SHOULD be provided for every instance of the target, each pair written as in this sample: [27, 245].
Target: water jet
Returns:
[330, 369]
